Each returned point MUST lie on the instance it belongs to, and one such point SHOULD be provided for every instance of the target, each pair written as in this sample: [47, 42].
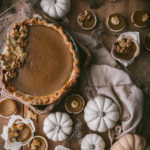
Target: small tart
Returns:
[74, 104]
[140, 18]
[8, 107]
[147, 41]
[19, 132]
[87, 20]
[50, 68]
[116, 22]
[126, 48]
[38, 143]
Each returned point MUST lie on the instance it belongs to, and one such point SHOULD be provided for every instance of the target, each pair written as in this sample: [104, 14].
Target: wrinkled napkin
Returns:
[104, 77]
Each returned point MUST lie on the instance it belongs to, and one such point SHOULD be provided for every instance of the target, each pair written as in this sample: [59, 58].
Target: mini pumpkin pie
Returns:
[87, 20]
[140, 18]
[40, 64]
[19, 132]
[116, 22]
[147, 41]
[7, 107]
[74, 104]
[38, 143]
[126, 48]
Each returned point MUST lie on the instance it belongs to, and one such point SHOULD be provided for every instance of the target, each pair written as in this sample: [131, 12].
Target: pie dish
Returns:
[46, 64]
[38, 143]
[140, 18]
[8, 107]
[116, 22]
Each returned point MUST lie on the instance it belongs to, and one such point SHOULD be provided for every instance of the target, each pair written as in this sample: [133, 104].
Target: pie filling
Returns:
[121, 22]
[49, 63]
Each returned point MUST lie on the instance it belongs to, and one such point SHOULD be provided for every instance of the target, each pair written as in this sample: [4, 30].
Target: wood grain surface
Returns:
[125, 7]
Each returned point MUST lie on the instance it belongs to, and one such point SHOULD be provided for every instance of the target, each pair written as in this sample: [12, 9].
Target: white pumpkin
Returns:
[92, 142]
[130, 142]
[101, 114]
[56, 8]
[57, 126]
[60, 147]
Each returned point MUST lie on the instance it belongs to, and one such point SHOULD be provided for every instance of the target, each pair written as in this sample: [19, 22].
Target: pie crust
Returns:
[58, 94]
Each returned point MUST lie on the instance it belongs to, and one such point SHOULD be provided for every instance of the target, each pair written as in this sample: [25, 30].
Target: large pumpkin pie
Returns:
[40, 64]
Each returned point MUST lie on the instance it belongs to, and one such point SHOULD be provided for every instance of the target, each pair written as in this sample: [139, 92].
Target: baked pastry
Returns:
[19, 132]
[74, 104]
[140, 18]
[38, 143]
[126, 48]
[116, 22]
[45, 60]
[8, 107]
[147, 41]
[87, 20]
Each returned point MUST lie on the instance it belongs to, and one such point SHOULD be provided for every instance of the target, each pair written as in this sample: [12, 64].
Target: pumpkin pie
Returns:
[140, 18]
[40, 64]
[74, 104]
[126, 48]
[87, 20]
[38, 143]
[7, 107]
[116, 22]
[19, 132]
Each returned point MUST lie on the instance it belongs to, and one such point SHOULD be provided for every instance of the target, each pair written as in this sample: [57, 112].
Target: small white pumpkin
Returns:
[57, 126]
[60, 147]
[56, 8]
[101, 114]
[92, 142]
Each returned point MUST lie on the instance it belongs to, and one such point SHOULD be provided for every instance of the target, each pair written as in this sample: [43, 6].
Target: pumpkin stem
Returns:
[92, 147]
[102, 114]
[58, 128]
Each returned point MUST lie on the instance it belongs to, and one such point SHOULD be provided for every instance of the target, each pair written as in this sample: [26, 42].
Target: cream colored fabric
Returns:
[104, 77]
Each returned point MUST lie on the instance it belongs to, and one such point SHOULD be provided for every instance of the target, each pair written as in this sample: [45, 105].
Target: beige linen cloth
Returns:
[104, 77]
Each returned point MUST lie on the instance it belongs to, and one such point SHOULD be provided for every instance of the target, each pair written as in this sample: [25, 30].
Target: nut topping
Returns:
[35, 144]
[115, 20]
[145, 17]
[14, 56]
[123, 46]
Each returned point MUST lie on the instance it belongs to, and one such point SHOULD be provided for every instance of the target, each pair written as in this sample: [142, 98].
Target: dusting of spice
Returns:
[87, 20]
[147, 41]
[74, 104]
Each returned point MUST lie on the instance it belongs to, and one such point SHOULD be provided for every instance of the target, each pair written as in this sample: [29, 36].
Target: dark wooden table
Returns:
[126, 7]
